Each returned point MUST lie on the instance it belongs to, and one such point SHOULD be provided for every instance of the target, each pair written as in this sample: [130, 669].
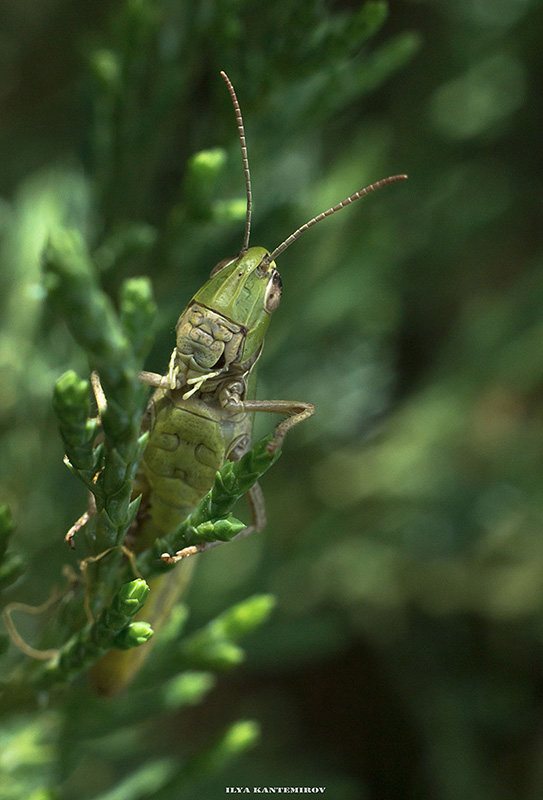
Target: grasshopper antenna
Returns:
[373, 187]
[241, 131]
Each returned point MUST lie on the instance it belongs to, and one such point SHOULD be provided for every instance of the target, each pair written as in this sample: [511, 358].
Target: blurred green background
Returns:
[404, 542]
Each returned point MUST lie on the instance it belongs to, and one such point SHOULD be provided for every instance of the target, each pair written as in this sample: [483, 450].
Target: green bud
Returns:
[132, 595]
[221, 530]
[106, 69]
[137, 313]
[187, 689]
[241, 736]
[71, 397]
[225, 480]
[71, 403]
[137, 297]
[259, 458]
[243, 618]
[368, 20]
[236, 740]
[230, 210]
[6, 527]
[201, 651]
[10, 570]
[43, 794]
[203, 171]
[204, 531]
[226, 529]
[207, 165]
[134, 635]
[140, 632]
[65, 253]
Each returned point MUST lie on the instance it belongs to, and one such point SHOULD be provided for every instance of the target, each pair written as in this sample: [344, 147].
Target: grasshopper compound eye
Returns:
[274, 289]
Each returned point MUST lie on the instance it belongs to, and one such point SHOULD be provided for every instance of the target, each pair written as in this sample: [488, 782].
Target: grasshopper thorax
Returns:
[225, 323]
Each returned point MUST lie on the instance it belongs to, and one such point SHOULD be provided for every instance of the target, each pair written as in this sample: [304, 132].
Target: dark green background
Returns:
[405, 541]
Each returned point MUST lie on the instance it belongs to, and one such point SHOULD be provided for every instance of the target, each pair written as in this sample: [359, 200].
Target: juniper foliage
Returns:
[141, 185]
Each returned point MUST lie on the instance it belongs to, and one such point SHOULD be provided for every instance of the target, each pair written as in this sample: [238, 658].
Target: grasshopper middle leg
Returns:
[295, 411]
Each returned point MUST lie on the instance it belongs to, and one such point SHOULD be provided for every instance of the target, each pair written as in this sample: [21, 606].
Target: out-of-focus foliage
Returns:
[404, 542]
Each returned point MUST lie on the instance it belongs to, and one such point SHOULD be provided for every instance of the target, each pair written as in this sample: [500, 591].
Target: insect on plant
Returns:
[200, 414]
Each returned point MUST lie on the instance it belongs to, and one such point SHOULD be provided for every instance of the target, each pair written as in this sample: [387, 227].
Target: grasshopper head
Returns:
[227, 319]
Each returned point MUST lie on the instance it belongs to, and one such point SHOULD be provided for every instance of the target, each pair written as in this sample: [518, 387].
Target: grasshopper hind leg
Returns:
[255, 495]
[257, 506]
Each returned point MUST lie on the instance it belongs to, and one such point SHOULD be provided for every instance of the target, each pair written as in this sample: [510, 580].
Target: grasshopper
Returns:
[201, 412]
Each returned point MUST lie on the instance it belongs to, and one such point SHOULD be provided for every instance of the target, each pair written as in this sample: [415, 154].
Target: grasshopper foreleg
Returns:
[175, 379]
[154, 379]
[101, 404]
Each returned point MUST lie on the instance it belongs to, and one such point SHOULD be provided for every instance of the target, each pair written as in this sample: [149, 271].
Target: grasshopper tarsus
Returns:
[192, 550]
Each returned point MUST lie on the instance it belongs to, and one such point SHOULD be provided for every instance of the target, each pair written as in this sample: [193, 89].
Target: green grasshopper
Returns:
[201, 412]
